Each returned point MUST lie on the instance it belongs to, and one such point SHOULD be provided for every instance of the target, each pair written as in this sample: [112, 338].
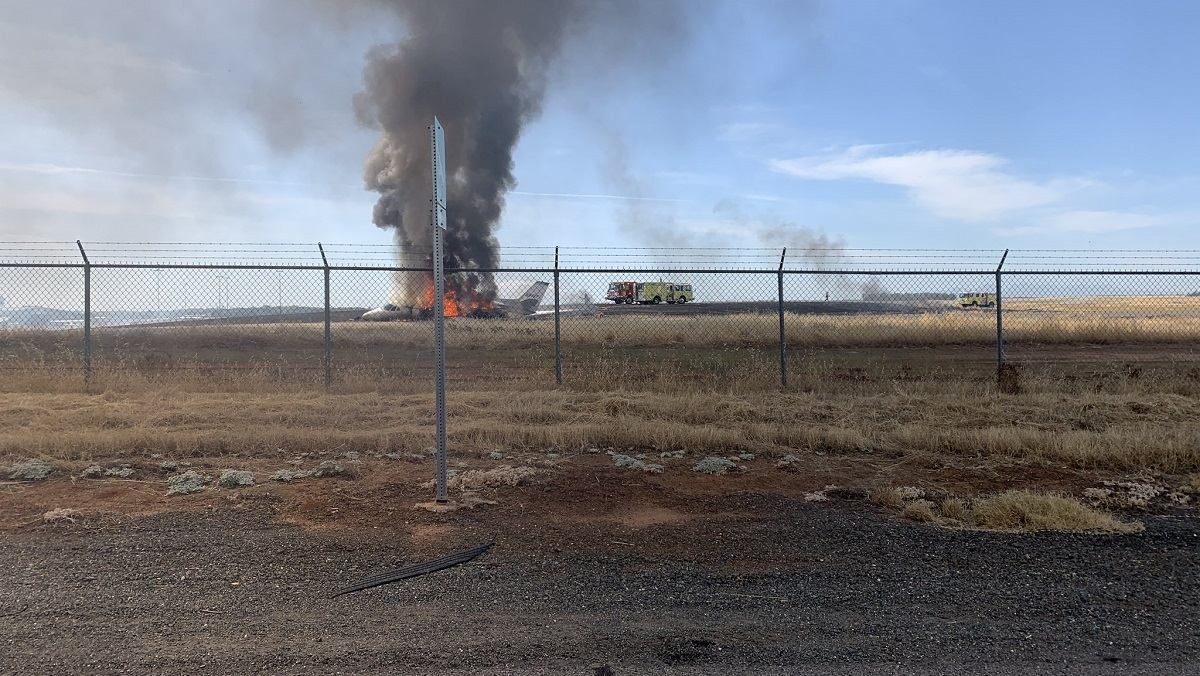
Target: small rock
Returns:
[673, 454]
[235, 478]
[30, 470]
[168, 465]
[190, 481]
[496, 455]
[714, 465]
[286, 475]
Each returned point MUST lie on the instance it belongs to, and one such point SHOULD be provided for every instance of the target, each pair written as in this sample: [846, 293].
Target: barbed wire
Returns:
[617, 258]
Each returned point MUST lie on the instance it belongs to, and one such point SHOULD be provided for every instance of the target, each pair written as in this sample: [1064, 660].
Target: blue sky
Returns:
[878, 124]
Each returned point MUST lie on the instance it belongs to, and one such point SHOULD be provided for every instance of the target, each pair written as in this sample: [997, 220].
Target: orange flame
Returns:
[452, 306]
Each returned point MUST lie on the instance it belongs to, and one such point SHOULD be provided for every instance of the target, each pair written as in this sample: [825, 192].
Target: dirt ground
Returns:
[593, 565]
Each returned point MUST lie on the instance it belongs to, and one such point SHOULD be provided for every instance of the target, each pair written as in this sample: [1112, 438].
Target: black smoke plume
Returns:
[481, 68]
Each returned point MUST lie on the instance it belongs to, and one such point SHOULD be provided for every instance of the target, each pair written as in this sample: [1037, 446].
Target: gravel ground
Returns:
[788, 588]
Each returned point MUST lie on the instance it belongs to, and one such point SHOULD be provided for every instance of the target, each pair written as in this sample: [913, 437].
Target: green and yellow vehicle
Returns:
[982, 299]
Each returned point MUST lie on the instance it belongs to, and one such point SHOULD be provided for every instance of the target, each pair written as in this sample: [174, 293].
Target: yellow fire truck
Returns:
[966, 300]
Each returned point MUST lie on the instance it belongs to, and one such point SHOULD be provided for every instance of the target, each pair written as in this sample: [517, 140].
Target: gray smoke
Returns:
[481, 68]
[807, 247]
[771, 230]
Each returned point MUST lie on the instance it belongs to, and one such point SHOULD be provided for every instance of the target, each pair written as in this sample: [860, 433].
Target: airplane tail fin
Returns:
[532, 297]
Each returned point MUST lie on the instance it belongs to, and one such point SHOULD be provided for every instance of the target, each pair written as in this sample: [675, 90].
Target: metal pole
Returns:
[557, 326]
[437, 218]
[327, 359]
[782, 338]
[87, 317]
[1000, 314]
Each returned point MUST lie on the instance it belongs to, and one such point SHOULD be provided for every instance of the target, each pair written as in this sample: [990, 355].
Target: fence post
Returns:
[327, 357]
[782, 338]
[1000, 314]
[87, 317]
[557, 326]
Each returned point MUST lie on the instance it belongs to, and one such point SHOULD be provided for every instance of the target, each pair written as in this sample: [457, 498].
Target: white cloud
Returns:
[958, 184]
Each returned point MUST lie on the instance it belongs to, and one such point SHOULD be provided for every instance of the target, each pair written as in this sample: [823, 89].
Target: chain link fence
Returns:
[664, 325]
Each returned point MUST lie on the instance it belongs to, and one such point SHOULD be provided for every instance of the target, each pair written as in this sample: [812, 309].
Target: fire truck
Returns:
[647, 293]
[976, 299]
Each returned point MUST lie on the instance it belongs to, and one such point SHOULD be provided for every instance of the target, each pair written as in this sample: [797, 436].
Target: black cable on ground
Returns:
[414, 570]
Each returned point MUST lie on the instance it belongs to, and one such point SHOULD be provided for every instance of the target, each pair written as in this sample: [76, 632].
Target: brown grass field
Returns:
[871, 400]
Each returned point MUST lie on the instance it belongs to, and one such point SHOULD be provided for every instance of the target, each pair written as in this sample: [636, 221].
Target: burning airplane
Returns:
[469, 305]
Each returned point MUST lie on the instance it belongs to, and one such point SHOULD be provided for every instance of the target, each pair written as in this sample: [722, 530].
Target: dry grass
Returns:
[1143, 305]
[1028, 511]
[698, 383]
[886, 496]
[955, 509]
[1083, 431]
[837, 354]
[1012, 510]
[920, 510]
[1009, 511]
[1102, 321]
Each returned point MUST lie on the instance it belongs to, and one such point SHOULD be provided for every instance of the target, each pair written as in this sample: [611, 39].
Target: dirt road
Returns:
[639, 578]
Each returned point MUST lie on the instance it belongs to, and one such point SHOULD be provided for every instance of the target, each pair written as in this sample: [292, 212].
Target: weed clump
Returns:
[714, 465]
[190, 481]
[503, 476]
[328, 468]
[93, 472]
[286, 475]
[61, 514]
[235, 478]
[324, 470]
[30, 470]
[630, 462]
[821, 495]
[788, 461]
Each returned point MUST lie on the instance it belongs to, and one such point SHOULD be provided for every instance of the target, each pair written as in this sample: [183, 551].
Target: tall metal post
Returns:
[557, 326]
[327, 356]
[782, 338]
[87, 317]
[1000, 313]
[437, 221]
